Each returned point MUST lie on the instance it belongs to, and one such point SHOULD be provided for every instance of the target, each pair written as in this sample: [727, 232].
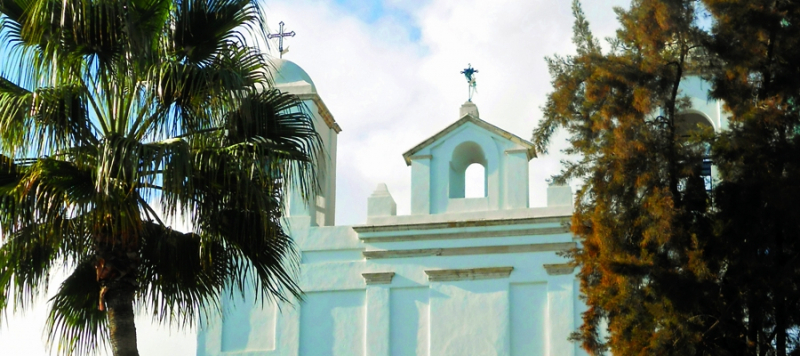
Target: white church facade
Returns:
[458, 276]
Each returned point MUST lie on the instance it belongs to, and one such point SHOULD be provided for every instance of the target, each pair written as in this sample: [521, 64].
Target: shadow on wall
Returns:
[409, 324]
[332, 323]
[236, 321]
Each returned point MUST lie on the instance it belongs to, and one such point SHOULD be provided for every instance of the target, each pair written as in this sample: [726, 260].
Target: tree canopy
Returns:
[668, 264]
[116, 116]
[756, 48]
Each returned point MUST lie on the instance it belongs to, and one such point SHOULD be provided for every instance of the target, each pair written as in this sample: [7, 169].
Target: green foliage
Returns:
[642, 214]
[757, 45]
[664, 271]
[118, 115]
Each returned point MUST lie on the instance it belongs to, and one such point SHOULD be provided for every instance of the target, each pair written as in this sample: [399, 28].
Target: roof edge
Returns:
[530, 148]
[322, 109]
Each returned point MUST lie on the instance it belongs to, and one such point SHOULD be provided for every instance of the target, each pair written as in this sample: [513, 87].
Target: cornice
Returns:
[378, 277]
[556, 269]
[468, 235]
[322, 109]
[363, 229]
[462, 251]
[443, 275]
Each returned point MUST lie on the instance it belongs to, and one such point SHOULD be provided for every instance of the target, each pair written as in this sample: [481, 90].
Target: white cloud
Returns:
[389, 93]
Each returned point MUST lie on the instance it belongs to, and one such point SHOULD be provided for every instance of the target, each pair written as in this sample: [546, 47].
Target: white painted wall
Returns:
[459, 276]
[526, 310]
[529, 312]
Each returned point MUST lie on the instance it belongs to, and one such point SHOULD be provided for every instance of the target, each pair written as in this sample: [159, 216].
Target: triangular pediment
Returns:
[466, 119]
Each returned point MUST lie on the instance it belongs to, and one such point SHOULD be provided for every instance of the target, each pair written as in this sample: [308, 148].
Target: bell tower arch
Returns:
[465, 155]
[438, 167]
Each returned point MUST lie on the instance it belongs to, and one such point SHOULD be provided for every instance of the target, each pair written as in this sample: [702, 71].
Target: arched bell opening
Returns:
[466, 155]
[475, 181]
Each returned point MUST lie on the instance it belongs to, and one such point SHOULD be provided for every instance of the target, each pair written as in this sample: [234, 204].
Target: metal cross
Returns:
[280, 35]
[469, 72]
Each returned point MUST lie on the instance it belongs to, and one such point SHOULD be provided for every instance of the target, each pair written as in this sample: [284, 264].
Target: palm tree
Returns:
[116, 116]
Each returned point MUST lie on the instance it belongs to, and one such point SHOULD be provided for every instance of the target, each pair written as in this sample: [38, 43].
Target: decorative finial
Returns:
[280, 35]
[469, 72]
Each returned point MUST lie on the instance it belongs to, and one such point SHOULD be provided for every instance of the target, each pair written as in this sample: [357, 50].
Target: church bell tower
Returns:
[288, 77]
[438, 167]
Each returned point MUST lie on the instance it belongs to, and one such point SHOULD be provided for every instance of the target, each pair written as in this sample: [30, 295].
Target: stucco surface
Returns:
[458, 276]
[466, 281]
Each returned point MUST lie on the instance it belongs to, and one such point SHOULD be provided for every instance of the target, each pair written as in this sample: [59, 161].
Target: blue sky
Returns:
[371, 11]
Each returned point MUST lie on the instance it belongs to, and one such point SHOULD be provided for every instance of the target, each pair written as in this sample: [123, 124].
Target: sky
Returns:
[389, 73]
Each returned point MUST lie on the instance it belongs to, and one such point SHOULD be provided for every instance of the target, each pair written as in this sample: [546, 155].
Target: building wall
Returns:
[451, 293]
[459, 276]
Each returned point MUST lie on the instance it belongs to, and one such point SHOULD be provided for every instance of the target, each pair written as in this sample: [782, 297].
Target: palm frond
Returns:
[278, 123]
[15, 106]
[123, 104]
[94, 29]
[17, 54]
[203, 27]
[75, 326]
[44, 120]
[11, 8]
[55, 195]
[26, 259]
[29, 252]
[42, 190]
[269, 264]
[61, 118]
[216, 176]
[198, 95]
[183, 273]
[145, 22]
[169, 161]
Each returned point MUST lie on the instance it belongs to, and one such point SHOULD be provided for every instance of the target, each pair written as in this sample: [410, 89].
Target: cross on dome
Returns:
[280, 35]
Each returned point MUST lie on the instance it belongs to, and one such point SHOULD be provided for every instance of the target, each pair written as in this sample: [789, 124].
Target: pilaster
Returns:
[560, 314]
[421, 184]
[378, 309]
[287, 330]
[515, 192]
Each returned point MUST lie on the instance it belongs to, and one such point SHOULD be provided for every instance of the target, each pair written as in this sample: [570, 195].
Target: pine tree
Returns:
[643, 215]
[757, 75]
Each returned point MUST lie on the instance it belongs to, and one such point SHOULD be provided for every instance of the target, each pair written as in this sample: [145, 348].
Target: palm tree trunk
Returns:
[121, 326]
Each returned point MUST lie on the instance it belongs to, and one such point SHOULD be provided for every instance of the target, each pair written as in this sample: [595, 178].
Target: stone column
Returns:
[377, 325]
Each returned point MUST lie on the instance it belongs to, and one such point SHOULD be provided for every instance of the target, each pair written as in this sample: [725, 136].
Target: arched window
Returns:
[475, 181]
[685, 124]
[465, 155]
[688, 122]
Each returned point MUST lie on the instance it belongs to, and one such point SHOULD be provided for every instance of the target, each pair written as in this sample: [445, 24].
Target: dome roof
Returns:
[286, 73]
